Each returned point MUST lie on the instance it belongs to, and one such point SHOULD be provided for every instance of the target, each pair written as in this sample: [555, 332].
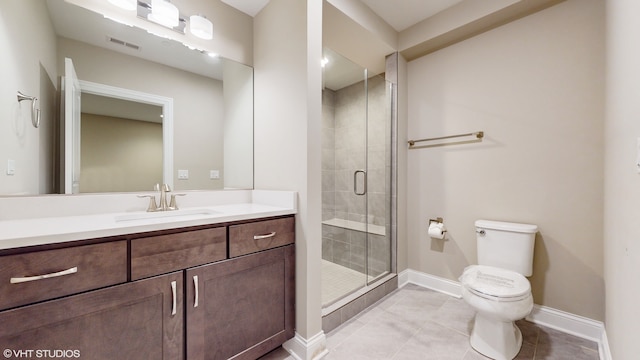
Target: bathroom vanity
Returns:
[207, 288]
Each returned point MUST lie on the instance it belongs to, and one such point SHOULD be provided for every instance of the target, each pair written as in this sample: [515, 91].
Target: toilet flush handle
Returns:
[481, 232]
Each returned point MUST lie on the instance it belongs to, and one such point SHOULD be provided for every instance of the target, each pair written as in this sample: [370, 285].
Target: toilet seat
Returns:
[495, 284]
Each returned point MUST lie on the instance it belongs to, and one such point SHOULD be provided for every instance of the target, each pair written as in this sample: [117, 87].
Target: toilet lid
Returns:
[495, 283]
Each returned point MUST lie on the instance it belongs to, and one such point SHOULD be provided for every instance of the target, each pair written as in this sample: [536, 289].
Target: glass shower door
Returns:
[353, 200]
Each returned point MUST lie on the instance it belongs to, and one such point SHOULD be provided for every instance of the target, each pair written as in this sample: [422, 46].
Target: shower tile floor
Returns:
[414, 323]
[338, 281]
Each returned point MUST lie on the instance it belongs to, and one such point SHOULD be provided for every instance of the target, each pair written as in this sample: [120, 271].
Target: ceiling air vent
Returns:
[123, 43]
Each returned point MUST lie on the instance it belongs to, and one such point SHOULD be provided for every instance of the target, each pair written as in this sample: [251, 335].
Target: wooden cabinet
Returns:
[209, 292]
[163, 253]
[260, 235]
[48, 274]
[241, 308]
[137, 320]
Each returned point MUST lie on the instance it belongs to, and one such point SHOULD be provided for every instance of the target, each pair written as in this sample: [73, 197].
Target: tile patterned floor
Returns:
[338, 280]
[416, 323]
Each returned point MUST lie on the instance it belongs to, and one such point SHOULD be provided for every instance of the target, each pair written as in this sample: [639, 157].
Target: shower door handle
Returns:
[355, 182]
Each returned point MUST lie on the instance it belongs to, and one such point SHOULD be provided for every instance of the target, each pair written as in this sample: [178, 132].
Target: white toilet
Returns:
[497, 288]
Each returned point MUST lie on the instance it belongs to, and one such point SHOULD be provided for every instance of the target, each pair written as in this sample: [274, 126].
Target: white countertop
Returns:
[16, 233]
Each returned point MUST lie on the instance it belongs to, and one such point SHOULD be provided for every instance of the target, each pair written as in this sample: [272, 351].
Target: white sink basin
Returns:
[164, 214]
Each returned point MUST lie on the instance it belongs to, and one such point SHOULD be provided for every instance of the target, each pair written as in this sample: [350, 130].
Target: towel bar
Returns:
[478, 134]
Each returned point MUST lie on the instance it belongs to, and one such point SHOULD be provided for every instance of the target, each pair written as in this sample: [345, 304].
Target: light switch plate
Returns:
[183, 174]
[11, 167]
[214, 174]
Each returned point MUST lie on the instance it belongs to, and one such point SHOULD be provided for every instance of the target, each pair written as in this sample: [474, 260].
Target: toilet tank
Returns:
[506, 245]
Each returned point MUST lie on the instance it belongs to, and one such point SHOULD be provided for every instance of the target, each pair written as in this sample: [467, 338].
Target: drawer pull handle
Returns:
[173, 292]
[195, 285]
[265, 236]
[17, 280]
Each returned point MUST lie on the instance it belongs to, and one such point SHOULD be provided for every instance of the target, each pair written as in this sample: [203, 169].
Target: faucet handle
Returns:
[152, 202]
[174, 205]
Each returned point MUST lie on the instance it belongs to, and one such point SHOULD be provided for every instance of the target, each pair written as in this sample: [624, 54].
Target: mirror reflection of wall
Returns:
[206, 128]
[121, 147]
[198, 106]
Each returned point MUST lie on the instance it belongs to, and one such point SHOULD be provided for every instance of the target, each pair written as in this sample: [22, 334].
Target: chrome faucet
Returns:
[163, 190]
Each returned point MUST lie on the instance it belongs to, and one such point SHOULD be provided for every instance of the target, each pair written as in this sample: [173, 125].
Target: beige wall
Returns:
[622, 180]
[198, 105]
[363, 46]
[119, 154]
[238, 126]
[27, 64]
[535, 86]
[288, 111]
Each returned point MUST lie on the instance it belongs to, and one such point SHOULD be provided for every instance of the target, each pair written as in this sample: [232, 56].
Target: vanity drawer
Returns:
[260, 235]
[161, 254]
[42, 275]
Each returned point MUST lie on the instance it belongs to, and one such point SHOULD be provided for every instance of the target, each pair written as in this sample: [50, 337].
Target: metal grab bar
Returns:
[478, 134]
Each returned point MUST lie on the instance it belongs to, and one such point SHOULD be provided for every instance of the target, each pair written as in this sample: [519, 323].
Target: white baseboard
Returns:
[403, 278]
[566, 322]
[433, 282]
[559, 320]
[314, 348]
[603, 347]
[573, 324]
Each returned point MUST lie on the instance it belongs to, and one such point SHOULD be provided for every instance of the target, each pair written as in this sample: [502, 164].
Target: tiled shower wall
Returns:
[348, 140]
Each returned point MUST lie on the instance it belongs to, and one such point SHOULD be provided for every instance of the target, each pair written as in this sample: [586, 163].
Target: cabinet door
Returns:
[134, 321]
[243, 307]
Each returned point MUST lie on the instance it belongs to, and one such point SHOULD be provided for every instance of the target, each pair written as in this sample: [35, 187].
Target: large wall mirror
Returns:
[125, 140]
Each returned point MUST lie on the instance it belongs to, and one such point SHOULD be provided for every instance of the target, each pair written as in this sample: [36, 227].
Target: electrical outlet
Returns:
[183, 174]
[214, 174]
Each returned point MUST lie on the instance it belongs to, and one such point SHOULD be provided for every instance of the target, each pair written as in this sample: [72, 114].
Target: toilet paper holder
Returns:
[436, 228]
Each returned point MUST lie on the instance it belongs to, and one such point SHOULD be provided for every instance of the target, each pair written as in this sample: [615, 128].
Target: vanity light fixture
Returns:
[152, 10]
[164, 13]
[125, 4]
[201, 27]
